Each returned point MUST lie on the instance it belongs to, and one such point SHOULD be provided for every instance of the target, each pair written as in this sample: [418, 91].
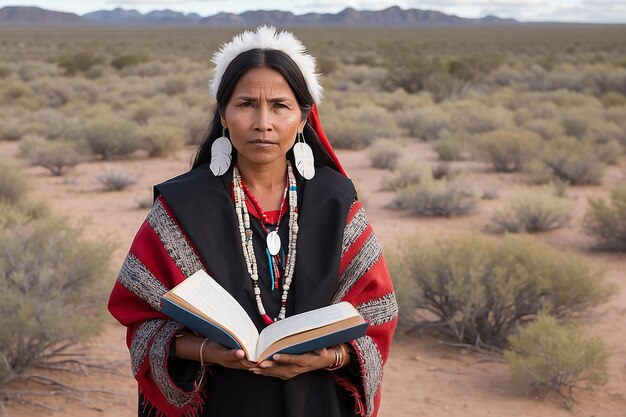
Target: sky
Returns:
[588, 11]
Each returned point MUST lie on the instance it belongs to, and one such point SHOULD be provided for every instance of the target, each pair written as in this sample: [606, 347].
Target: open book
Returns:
[206, 307]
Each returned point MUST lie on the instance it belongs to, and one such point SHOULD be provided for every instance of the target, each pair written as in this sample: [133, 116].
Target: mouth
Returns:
[261, 142]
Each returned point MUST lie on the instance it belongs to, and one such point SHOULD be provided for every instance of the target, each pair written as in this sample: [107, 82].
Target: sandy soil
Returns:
[422, 377]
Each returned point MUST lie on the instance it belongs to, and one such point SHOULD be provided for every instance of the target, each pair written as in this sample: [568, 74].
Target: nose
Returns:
[263, 122]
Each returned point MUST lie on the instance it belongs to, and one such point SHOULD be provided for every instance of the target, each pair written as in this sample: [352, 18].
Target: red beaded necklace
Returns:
[277, 261]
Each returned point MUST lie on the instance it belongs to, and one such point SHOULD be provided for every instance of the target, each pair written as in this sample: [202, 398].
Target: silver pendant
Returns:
[273, 243]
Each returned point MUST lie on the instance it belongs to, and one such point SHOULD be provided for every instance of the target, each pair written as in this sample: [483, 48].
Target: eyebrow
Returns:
[254, 99]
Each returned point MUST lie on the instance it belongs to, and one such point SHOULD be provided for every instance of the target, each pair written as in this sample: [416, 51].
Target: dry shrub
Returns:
[614, 99]
[79, 62]
[546, 356]
[174, 85]
[443, 86]
[398, 100]
[32, 70]
[13, 186]
[443, 170]
[436, 198]
[385, 154]
[111, 136]
[16, 94]
[478, 290]
[128, 60]
[507, 150]
[115, 179]
[5, 71]
[574, 161]
[474, 117]
[408, 172]
[535, 107]
[56, 156]
[607, 220]
[574, 123]
[356, 128]
[424, 123]
[11, 131]
[144, 111]
[547, 129]
[533, 211]
[163, 140]
[52, 292]
[451, 146]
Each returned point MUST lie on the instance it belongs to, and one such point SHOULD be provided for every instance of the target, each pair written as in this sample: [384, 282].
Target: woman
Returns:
[277, 224]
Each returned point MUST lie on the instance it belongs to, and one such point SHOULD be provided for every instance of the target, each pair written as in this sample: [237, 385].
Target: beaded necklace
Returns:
[243, 220]
[274, 251]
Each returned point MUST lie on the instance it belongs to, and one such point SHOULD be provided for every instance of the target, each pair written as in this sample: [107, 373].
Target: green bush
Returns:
[507, 150]
[385, 154]
[52, 292]
[477, 290]
[548, 356]
[56, 156]
[13, 185]
[607, 220]
[436, 198]
[112, 136]
[533, 211]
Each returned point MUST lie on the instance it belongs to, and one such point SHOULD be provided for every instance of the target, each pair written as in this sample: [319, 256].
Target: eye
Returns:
[246, 104]
[281, 106]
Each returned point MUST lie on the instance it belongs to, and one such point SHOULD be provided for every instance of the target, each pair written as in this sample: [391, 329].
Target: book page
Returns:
[305, 321]
[210, 298]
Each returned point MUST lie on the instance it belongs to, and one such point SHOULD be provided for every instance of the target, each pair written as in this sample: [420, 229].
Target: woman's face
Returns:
[262, 117]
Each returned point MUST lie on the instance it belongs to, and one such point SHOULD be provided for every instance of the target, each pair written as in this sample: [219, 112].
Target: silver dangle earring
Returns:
[303, 154]
[221, 154]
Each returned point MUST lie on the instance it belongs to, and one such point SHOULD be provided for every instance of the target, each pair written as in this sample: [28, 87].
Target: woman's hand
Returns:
[287, 366]
[188, 347]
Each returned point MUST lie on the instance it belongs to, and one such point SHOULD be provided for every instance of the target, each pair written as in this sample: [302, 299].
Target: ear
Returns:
[223, 121]
[301, 126]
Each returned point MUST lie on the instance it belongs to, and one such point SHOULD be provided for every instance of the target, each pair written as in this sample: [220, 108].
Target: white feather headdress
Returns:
[266, 37]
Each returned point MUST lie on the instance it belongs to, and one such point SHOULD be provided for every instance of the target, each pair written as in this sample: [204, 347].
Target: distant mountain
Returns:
[390, 17]
[120, 16]
[13, 15]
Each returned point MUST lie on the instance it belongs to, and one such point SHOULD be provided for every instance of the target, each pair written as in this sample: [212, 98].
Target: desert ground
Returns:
[423, 377]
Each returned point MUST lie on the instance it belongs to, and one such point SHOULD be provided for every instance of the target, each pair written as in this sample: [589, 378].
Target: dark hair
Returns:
[281, 62]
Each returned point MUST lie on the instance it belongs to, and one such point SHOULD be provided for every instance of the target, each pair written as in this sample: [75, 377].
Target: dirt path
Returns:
[422, 377]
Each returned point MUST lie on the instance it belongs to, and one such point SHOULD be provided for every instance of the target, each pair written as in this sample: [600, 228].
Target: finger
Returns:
[282, 372]
[267, 364]
[286, 359]
[248, 364]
